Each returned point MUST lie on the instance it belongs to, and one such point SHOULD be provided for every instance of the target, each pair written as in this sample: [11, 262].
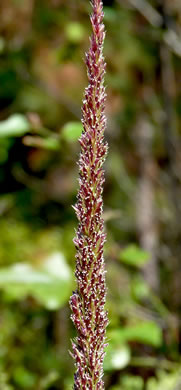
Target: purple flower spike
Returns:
[88, 301]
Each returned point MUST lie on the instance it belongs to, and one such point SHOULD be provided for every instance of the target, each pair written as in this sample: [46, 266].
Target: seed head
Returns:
[87, 302]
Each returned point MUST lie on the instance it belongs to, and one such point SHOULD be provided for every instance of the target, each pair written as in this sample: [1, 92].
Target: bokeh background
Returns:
[42, 79]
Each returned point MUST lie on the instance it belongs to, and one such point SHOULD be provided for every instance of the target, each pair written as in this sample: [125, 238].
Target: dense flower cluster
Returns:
[87, 302]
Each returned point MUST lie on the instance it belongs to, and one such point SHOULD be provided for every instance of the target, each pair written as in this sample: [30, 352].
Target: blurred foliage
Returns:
[50, 284]
[42, 79]
[133, 255]
[72, 131]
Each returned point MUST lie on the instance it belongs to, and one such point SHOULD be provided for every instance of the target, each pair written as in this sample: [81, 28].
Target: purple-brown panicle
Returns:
[88, 301]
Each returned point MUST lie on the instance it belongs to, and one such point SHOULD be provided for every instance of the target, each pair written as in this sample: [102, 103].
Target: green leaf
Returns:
[24, 378]
[135, 256]
[5, 145]
[15, 126]
[50, 284]
[74, 32]
[117, 357]
[131, 382]
[139, 288]
[144, 332]
[165, 380]
[48, 143]
[72, 131]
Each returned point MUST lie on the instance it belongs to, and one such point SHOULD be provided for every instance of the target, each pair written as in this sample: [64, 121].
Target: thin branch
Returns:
[171, 36]
[146, 9]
